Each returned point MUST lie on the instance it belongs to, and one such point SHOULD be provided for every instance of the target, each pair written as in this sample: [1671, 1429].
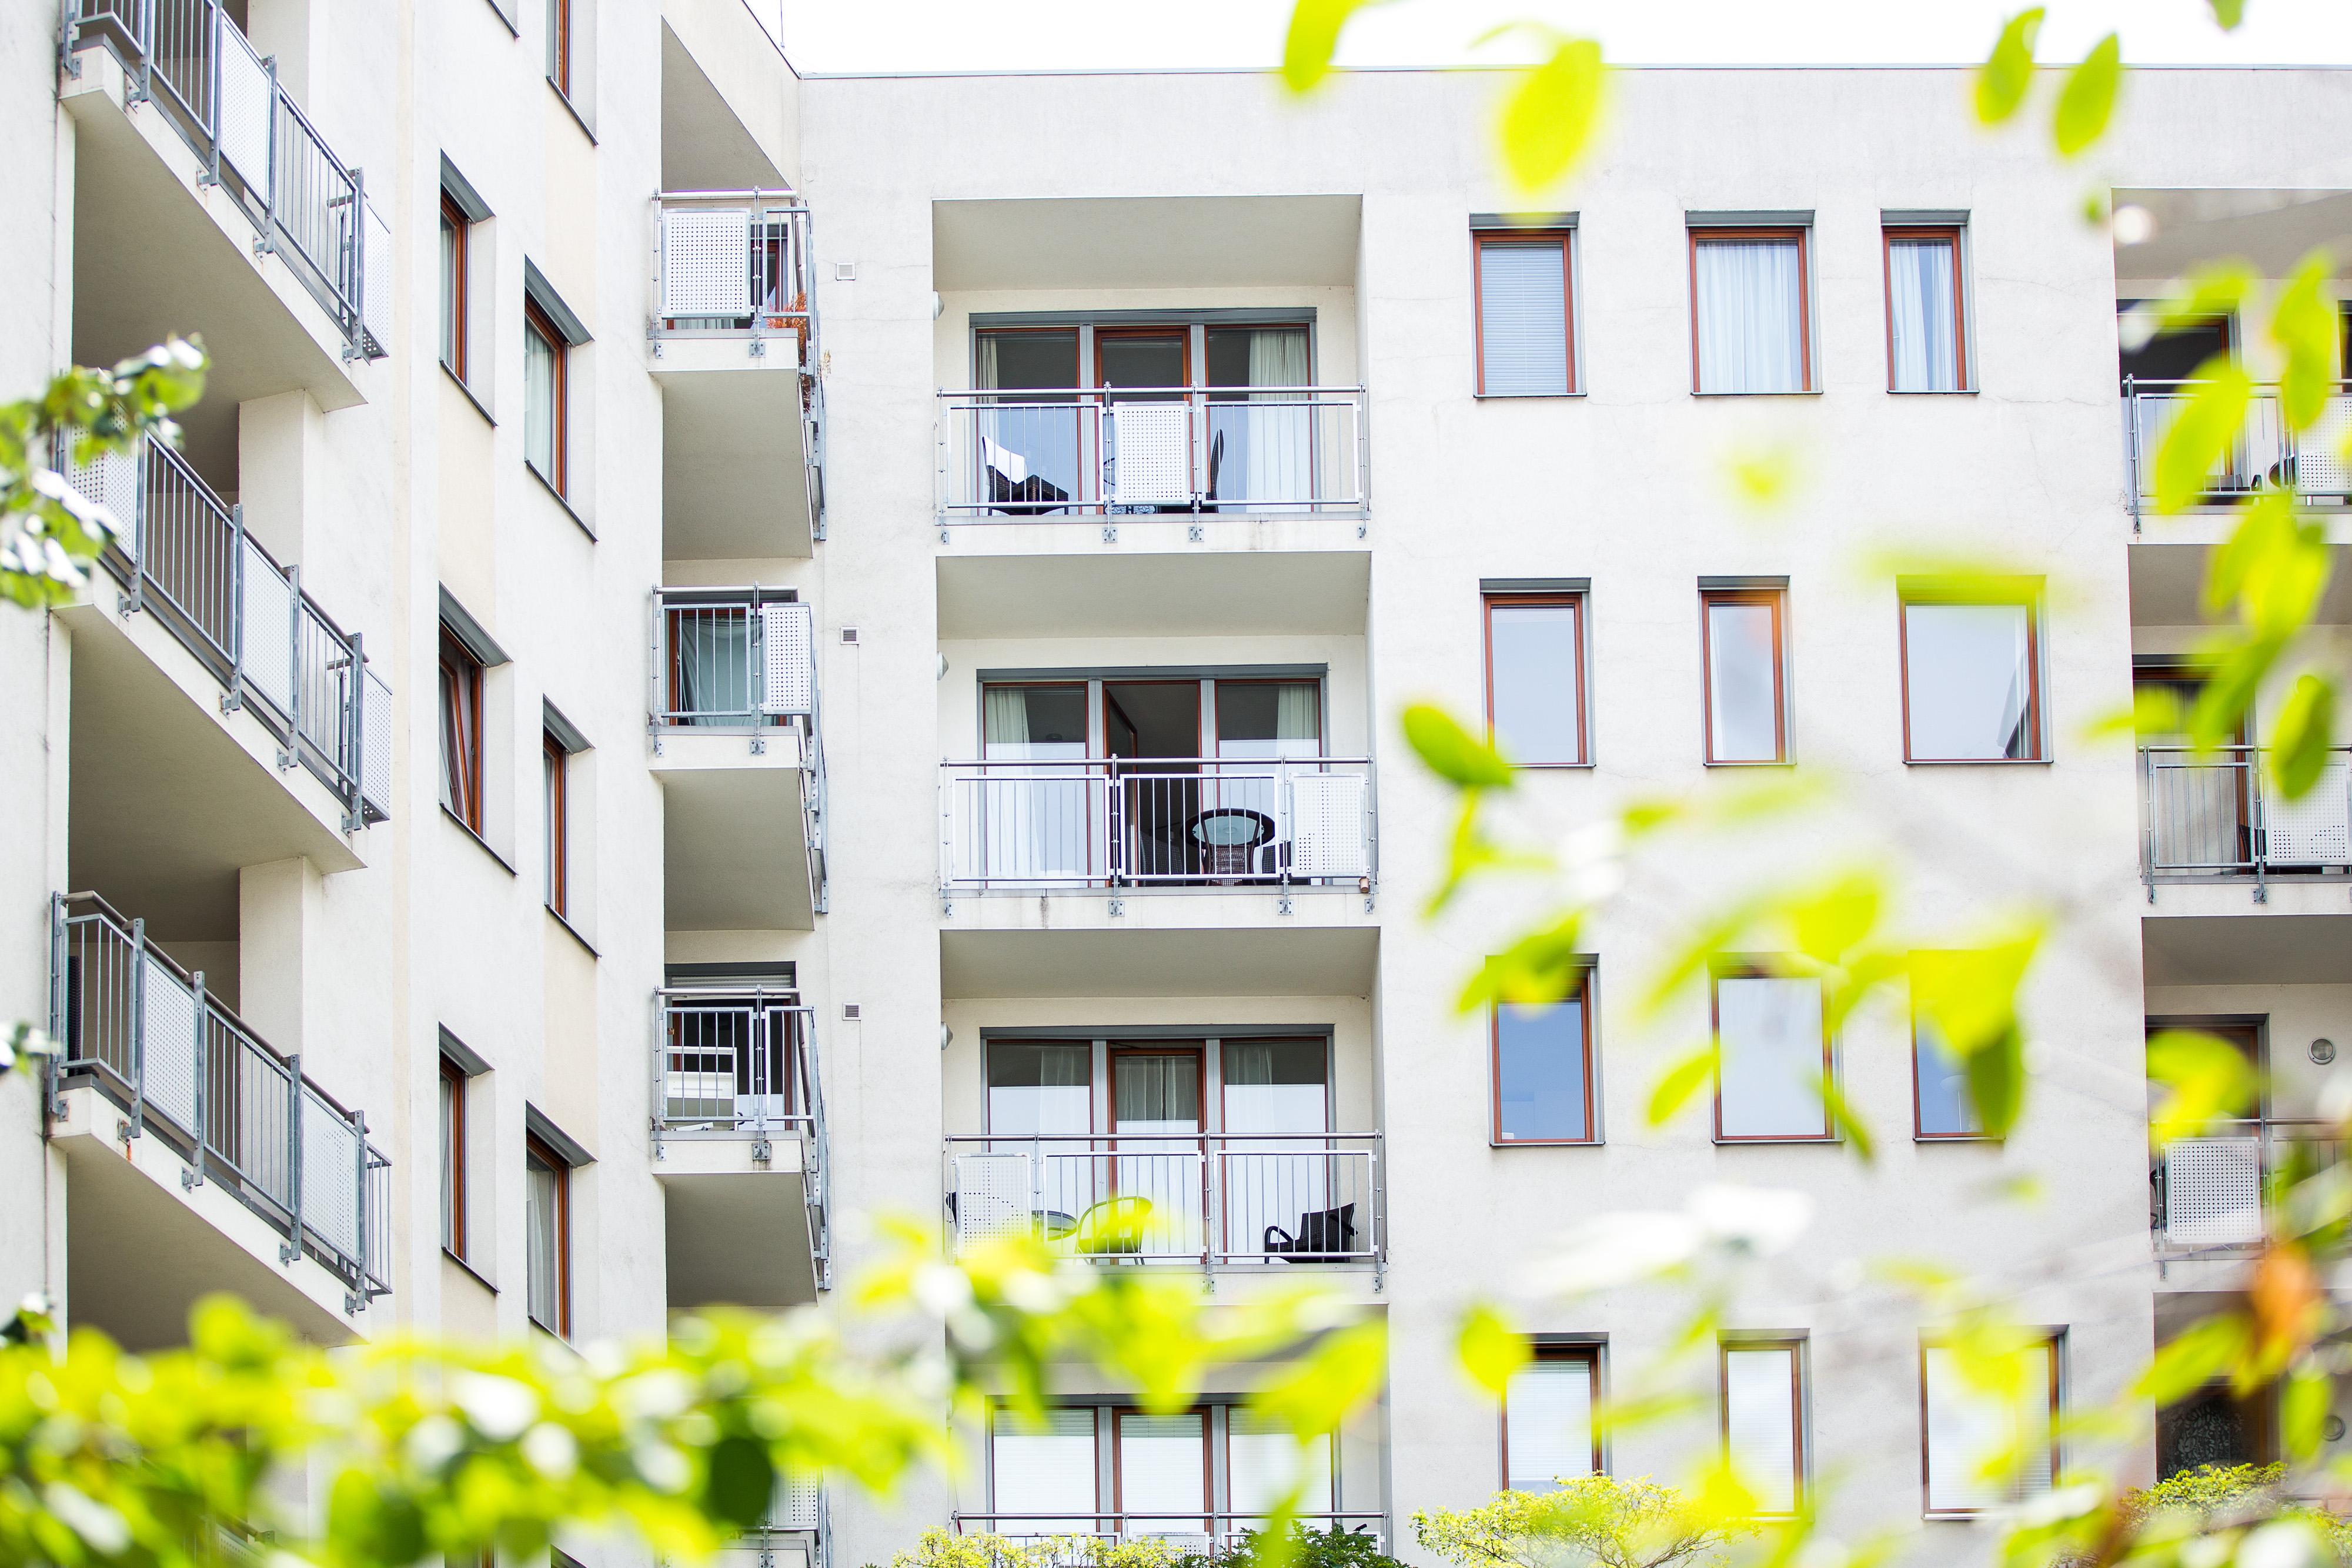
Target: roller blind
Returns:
[1971, 1431]
[1547, 1424]
[1523, 318]
[1759, 1423]
[1769, 1078]
[1262, 1460]
[1047, 1470]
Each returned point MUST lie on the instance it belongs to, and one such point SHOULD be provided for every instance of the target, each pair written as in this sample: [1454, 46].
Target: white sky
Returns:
[1061, 35]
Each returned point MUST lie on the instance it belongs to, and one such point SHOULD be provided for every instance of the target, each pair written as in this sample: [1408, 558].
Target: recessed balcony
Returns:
[732, 341]
[199, 1158]
[2265, 458]
[736, 744]
[740, 1147]
[2216, 815]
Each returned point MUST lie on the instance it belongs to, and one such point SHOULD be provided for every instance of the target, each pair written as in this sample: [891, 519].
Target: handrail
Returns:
[1114, 821]
[2212, 811]
[184, 554]
[2215, 1189]
[2264, 455]
[732, 263]
[1031, 454]
[1222, 1524]
[144, 1030]
[224, 99]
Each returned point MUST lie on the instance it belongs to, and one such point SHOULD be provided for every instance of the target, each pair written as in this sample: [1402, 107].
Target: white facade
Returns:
[865, 856]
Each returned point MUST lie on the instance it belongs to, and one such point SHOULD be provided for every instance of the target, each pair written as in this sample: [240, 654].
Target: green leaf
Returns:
[2193, 1358]
[2302, 1412]
[1548, 118]
[1997, 1083]
[2008, 71]
[1452, 752]
[1543, 967]
[1831, 923]
[2304, 324]
[1682, 1080]
[2202, 434]
[741, 1482]
[1314, 38]
[2207, 1080]
[2229, 12]
[2088, 101]
[1491, 1350]
[1843, 1117]
[2301, 736]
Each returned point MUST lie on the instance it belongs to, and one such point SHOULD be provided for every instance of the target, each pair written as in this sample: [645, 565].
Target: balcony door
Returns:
[1032, 439]
[1148, 417]
[1154, 728]
[1276, 1180]
[1035, 814]
[2212, 1183]
[2200, 807]
[1040, 1096]
[1260, 443]
[1158, 1114]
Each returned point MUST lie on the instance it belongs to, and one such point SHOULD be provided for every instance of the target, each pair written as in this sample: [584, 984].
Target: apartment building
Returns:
[646, 721]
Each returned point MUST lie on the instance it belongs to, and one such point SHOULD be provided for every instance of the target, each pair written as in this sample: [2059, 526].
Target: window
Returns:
[559, 45]
[1048, 1478]
[453, 1159]
[1764, 1420]
[1526, 313]
[1968, 1428]
[1942, 1104]
[1263, 1461]
[461, 731]
[1971, 681]
[546, 372]
[556, 767]
[453, 230]
[1161, 1468]
[547, 1236]
[1549, 1434]
[1927, 335]
[1042, 1477]
[1747, 675]
[1543, 1070]
[1752, 323]
[1772, 1057]
[1534, 679]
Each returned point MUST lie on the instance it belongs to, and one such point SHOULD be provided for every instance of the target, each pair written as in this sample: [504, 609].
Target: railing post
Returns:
[293, 751]
[360, 1209]
[138, 1027]
[146, 88]
[60, 1008]
[136, 600]
[267, 240]
[292, 1251]
[2252, 763]
[220, 22]
[355, 328]
[355, 732]
[2131, 446]
[194, 1177]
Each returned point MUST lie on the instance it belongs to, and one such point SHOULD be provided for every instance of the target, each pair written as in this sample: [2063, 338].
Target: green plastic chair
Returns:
[1112, 1228]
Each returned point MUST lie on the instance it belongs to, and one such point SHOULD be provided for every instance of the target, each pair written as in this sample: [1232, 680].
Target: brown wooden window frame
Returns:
[1703, 234]
[461, 731]
[1794, 1346]
[2028, 601]
[556, 764]
[1585, 996]
[454, 1084]
[1574, 599]
[2055, 1339]
[538, 323]
[1755, 969]
[1540, 1352]
[1480, 238]
[558, 46]
[1962, 370]
[536, 1148]
[1776, 599]
[460, 312]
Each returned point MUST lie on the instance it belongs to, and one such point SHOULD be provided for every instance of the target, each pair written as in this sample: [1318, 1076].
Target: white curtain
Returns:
[1278, 445]
[1297, 719]
[1925, 324]
[1769, 1031]
[538, 402]
[1971, 672]
[541, 1219]
[1275, 1086]
[1027, 822]
[1750, 332]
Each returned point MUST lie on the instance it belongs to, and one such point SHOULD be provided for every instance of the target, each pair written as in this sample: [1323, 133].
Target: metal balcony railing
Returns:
[189, 59]
[798, 1517]
[2215, 1190]
[1210, 1530]
[1117, 822]
[2266, 455]
[1019, 457]
[187, 1069]
[742, 1064]
[1212, 1199]
[2214, 813]
[186, 558]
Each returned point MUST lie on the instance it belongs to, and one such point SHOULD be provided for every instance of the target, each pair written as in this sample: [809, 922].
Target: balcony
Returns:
[1090, 454]
[2213, 1193]
[2266, 456]
[733, 714]
[1200, 1534]
[2214, 814]
[1115, 823]
[740, 1146]
[280, 1198]
[253, 171]
[797, 1534]
[1213, 1200]
[732, 337]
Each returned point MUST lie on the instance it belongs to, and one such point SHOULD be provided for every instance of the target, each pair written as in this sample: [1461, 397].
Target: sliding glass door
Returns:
[1157, 1112]
[1278, 1188]
[1032, 438]
[1039, 814]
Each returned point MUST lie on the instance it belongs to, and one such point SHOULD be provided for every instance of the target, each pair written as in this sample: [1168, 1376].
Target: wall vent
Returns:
[849, 1013]
[845, 272]
[849, 634]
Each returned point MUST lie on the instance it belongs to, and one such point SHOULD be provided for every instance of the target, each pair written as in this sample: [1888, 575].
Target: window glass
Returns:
[453, 1156]
[1034, 723]
[1040, 1086]
[1163, 1469]
[1043, 1477]
[1523, 348]
[1028, 440]
[1946, 1109]
[1968, 681]
[1967, 1425]
[1548, 1423]
[1535, 656]
[558, 847]
[1743, 680]
[1749, 310]
[1923, 311]
[1760, 1415]
[1277, 1086]
[1772, 1057]
[1262, 444]
[453, 289]
[461, 732]
[559, 45]
[1541, 1089]
[544, 1246]
[1269, 718]
[541, 386]
[1263, 1461]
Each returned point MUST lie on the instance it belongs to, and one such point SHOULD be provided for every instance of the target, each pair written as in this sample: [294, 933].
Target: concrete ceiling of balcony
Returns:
[719, 70]
[741, 1239]
[1146, 242]
[1236, 962]
[2247, 948]
[1171, 594]
[2273, 228]
[148, 260]
[2168, 580]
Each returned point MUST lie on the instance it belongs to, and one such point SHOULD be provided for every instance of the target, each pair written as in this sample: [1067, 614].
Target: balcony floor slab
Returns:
[734, 448]
[1262, 958]
[734, 833]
